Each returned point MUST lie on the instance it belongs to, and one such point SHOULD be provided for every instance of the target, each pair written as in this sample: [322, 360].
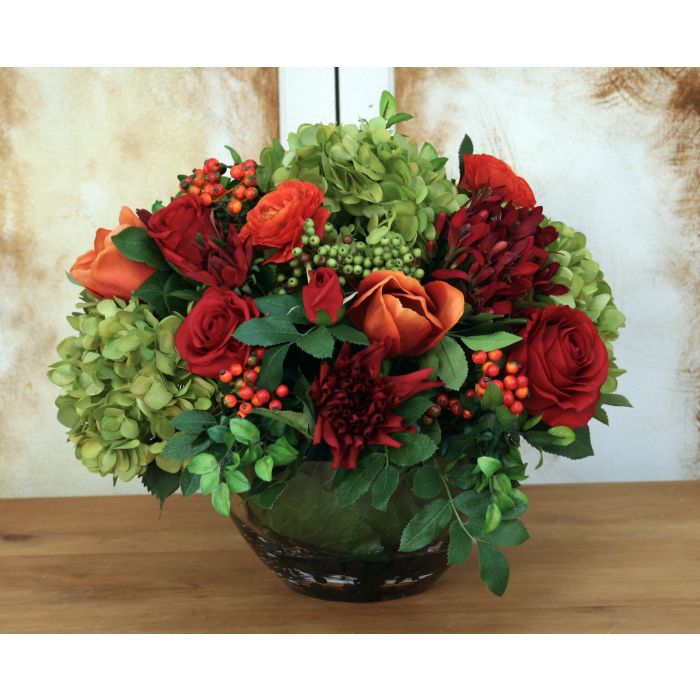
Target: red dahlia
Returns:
[355, 404]
[498, 251]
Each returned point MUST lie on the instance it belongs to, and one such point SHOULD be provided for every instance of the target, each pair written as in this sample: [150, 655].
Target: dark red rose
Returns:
[226, 264]
[566, 363]
[277, 220]
[175, 227]
[205, 338]
[323, 292]
[355, 404]
[481, 170]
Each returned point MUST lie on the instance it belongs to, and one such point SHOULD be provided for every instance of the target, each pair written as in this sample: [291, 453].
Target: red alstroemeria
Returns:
[355, 403]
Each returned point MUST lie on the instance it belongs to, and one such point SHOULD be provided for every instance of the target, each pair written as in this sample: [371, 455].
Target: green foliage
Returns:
[357, 482]
[493, 341]
[299, 421]
[344, 332]
[426, 482]
[244, 431]
[135, 243]
[415, 407]
[426, 525]
[381, 182]
[493, 568]
[160, 483]
[266, 331]
[415, 448]
[286, 307]
[202, 463]
[580, 448]
[384, 487]
[460, 546]
[614, 400]
[272, 371]
[449, 362]
[122, 382]
[318, 343]
[221, 500]
[193, 421]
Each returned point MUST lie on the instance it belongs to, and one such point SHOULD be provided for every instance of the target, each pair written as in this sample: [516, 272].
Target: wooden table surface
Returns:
[601, 558]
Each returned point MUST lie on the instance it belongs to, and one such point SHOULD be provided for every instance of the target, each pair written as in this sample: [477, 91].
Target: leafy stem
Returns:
[454, 509]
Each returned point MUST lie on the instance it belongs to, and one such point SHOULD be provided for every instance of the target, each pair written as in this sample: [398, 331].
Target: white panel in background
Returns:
[307, 96]
[360, 90]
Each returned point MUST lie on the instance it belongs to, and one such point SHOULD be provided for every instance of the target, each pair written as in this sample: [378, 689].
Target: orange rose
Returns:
[104, 271]
[483, 169]
[413, 317]
[277, 221]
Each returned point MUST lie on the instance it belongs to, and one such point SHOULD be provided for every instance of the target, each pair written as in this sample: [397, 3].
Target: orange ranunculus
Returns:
[277, 220]
[413, 317]
[104, 271]
[483, 169]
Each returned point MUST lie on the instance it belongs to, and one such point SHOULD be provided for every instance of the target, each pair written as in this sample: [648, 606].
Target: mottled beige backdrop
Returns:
[76, 145]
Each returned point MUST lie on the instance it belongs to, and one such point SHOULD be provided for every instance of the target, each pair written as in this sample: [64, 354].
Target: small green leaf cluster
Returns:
[375, 179]
[122, 381]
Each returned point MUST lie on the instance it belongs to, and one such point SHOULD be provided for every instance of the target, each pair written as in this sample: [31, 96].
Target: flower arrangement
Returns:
[343, 301]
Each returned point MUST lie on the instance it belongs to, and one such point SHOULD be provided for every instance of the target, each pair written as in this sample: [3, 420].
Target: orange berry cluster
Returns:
[449, 403]
[245, 393]
[205, 183]
[513, 386]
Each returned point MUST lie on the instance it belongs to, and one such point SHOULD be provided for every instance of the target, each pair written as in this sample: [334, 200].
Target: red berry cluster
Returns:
[244, 382]
[206, 184]
[514, 385]
[449, 403]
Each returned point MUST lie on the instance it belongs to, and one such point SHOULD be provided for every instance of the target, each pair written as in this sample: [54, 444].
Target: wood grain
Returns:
[602, 558]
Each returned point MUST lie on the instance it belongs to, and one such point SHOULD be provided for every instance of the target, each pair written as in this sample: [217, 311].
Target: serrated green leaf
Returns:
[415, 407]
[318, 343]
[492, 398]
[472, 503]
[384, 487]
[272, 370]
[135, 243]
[601, 415]
[159, 482]
[426, 482]
[189, 483]
[509, 533]
[460, 546]
[181, 446]
[493, 341]
[193, 421]
[426, 525]
[415, 448]
[266, 331]
[614, 400]
[449, 362]
[359, 480]
[579, 449]
[202, 463]
[294, 419]
[286, 307]
[347, 333]
[493, 568]
[221, 500]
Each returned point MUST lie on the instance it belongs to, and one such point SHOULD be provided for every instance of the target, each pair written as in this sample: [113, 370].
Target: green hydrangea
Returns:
[588, 290]
[382, 182]
[122, 381]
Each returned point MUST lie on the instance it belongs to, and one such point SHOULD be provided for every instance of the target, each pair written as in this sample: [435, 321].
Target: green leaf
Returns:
[266, 331]
[234, 154]
[563, 435]
[493, 341]
[449, 362]
[509, 533]
[460, 546]
[244, 431]
[488, 465]
[221, 500]
[220, 434]
[601, 415]
[466, 147]
[493, 518]
[426, 525]
[286, 307]
[135, 243]
[398, 117]
[209, 481]
[294, 419]
[426, 482]
[236, 480]
[193, 421]
[532, 422]
[346, 333]
[202, 463]
[384, 487]
[579, 449]
[151, 291]
[359, 480]
[189, 483]
[263, 468]
[493, 568]
[492, 398]
[272, 370]
[472, 503]
[282, 452]
[614, 400]
[181, 446]
[268, 497]
[318, 343]
[387, 105]
[415, 407]
[159, 482]
[415, 448]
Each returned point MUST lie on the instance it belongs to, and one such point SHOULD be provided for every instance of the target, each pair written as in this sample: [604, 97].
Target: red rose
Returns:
[226, 264]
[322, 293]
[277, 220]
[175, 227]
[205, 338]
[566, 363]
[355, 403]
[481, 170]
